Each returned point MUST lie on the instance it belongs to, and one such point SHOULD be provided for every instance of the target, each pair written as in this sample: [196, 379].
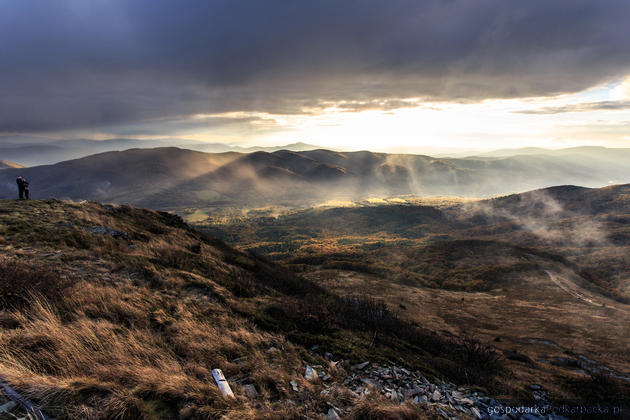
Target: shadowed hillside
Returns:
[542, 275]
[176, 179]
[117, 312]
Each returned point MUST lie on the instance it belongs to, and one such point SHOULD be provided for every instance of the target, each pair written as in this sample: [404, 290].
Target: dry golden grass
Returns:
[150, 306]
[527, 306]
[380, 410]
[136, 330]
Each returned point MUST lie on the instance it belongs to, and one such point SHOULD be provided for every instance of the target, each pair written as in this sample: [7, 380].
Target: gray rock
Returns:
[294, 385]
[250, 391]
[442, 413]
[360, 366]
[332, 415]
[436, 395]
[414, 391]
[394, 395]
[310, 374]
[371, 382]
[102, 230]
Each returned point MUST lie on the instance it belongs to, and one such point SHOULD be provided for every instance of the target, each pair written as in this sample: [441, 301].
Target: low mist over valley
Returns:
[177, 179]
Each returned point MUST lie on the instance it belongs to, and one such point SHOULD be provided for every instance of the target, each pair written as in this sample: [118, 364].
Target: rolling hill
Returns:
[33, 151]
[542, 275]
[587, 228]
[116, 312]
[172, 178]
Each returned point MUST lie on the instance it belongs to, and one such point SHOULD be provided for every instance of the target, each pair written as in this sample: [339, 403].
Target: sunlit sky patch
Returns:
[437, 127]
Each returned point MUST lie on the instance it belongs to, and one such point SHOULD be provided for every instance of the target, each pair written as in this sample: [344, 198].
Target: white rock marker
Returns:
[222, 383]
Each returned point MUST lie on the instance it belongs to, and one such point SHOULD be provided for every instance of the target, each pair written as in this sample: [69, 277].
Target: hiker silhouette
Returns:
[23, 188]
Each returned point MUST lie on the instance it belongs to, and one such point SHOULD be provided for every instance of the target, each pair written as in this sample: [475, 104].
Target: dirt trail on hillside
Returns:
[574, 290]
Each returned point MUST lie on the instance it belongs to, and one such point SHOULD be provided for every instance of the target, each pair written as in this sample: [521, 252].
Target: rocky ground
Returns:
[449, 400]
[402, 386]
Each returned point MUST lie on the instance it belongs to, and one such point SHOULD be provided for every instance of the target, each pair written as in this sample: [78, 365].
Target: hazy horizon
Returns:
[18, 141]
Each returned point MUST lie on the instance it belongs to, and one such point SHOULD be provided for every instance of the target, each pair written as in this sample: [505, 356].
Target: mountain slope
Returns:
[543, 275]
[116, 176]
[33, 151]
[117, 312]
[176, 179]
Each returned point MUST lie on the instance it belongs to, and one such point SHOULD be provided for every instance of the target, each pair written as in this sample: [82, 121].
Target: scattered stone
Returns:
[535, 387]
[436, 395]
[370, 382]
[332, 415]
[310, 374]
[399, 385]
[360, 366]
[102, 230]
[272, 350]
[442, 413]
[414, 391]
[250, 391]
[294, 385]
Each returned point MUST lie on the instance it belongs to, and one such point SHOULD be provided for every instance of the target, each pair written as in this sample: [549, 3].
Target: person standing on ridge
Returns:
[20, 184]
[26, 189]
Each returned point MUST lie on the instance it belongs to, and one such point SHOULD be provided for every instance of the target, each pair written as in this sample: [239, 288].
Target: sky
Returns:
[396, 75]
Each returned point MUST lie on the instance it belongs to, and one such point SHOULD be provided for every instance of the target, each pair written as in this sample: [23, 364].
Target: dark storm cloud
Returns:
[78, 64]
[580, 107]
[185, 125]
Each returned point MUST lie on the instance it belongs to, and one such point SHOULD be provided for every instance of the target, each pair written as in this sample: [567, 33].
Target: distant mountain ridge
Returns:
[174, 178]
[31, 151]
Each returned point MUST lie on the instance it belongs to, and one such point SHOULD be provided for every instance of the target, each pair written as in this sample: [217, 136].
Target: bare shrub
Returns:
[19, 281]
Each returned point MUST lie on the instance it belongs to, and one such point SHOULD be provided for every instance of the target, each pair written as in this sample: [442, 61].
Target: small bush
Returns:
[18, 281]
[604, 388]
[176, 258]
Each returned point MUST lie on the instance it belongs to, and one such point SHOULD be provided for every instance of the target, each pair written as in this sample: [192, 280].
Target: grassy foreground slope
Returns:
[116, 312]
